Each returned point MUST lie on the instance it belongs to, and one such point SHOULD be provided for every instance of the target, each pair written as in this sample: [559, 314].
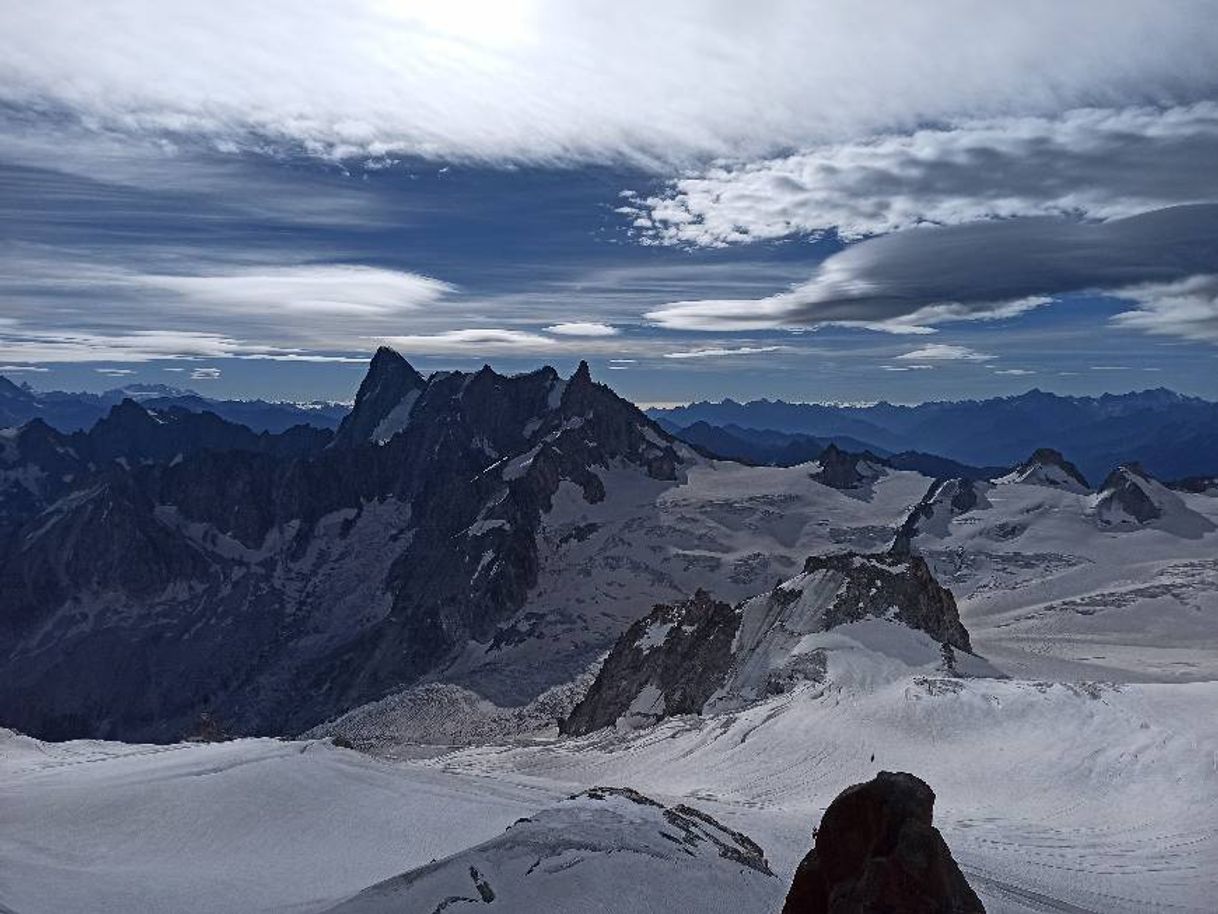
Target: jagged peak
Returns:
[583, 374]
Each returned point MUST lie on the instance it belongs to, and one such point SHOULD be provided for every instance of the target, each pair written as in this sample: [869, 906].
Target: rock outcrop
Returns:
[877, 850]
[703, 656]
[669, 662]
[844, 470]
[1127, 493]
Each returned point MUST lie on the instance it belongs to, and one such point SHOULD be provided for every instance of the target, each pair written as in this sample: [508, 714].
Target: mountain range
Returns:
[1172, 435]
[75, 411]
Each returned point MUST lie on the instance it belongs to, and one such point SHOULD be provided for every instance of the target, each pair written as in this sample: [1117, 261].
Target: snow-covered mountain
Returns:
[703, 656]
[1056, 581]
[274, 587]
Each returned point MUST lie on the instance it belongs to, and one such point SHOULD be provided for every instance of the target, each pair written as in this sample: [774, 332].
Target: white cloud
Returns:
[546, 81]
[1014, 371]
[583, 328]
[115, 372]
[1101, 163]
[338, 290]
[1188, 309]
[907, 367]
[474, 341]
[944, 352]
[205, 374]
[719, 352]
[14, 369]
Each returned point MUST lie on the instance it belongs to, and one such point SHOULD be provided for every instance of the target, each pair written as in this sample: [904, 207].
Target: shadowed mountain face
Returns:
[168, 563]
[1174, 436]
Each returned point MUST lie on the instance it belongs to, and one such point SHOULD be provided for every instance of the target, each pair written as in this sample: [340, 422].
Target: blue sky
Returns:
[801, 202]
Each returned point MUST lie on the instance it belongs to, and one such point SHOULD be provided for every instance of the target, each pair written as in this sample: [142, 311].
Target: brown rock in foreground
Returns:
[876, 852]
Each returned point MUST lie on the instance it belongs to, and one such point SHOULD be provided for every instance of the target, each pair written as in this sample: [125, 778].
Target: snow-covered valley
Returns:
[1042, 654]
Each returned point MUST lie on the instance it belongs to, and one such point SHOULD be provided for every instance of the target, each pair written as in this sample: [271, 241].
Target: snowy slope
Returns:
[1060, 584]
[605, 849]
[731, 529]
[1082, 798]
[251, 825]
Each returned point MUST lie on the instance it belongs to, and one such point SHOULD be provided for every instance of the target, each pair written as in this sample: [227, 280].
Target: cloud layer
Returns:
[1095, 163]
[986, 270]
[554, 81]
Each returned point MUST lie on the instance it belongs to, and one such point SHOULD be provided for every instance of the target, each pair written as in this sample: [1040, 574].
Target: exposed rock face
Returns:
[877, 850]
[899, 586]
[383, 402]
[701, 656]
[1048, 467]
[843, 470]
[669, 662]
[273, 580]
[945, 499]
[1126, 490]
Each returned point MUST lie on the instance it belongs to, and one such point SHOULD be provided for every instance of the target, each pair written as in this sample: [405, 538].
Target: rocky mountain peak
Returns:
[1048, 467]
[1129, 492]
[845, 470]
[383, 401]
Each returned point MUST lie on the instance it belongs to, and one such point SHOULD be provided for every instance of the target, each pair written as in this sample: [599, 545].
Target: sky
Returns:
[812, 201]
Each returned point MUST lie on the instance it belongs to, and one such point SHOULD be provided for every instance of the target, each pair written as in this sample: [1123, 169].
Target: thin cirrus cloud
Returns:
[721, 352]
[553, 81]
[1164, 260]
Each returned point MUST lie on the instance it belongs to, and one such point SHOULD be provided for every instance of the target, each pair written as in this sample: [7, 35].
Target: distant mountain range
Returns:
[766, 447]
[73, 411]
[1172, 435]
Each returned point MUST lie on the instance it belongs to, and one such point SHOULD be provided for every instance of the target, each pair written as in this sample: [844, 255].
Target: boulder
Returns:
[877, 851]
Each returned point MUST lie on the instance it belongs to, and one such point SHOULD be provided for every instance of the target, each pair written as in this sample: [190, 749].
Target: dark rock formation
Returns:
[872, 583]
[1125, 489]
[953, 496]
[843, 470]
[387, 386]
[878, 851]
[703, 656]
[682, 651]
[168, 562]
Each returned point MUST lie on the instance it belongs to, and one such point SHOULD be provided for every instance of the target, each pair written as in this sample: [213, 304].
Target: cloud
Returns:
[14, 369]
[906, 367]
[470, 341]
[339, 290]
[205, 374]
[1187, 309]
[986, 270]
[1014, 371]
[1099, 163]
[582, 328]
[115, 372]
[551, 81]
[944, 352]
[719, 352]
